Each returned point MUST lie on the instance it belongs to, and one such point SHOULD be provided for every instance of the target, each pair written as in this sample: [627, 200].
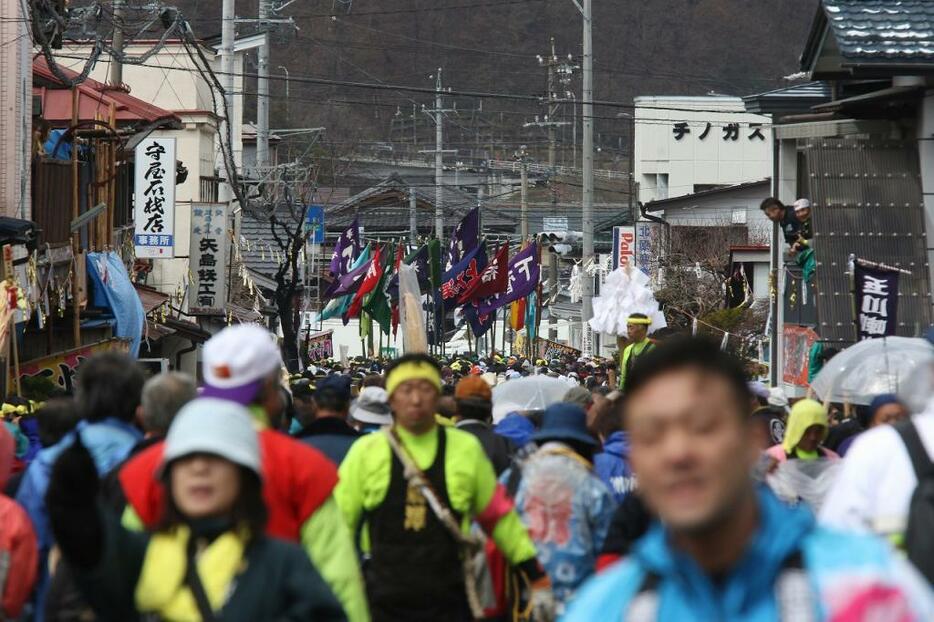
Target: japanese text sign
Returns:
[876, 292]
[154, 199]
[208, 257]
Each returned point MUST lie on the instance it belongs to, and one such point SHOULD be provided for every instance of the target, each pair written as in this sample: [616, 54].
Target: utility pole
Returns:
[439, 152]
[439, 159]
[225, 192]
[413, 222]
[558, 69]
[524, 197]
[587, 156]
[262, 90]
[116, 62]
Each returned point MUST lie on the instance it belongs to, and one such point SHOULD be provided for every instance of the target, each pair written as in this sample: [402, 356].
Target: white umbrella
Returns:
[529, 393]
[869, 368]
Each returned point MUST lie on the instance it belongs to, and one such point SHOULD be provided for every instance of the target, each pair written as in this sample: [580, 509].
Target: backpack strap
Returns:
[645, 604]
[916, 451]
[794, 596]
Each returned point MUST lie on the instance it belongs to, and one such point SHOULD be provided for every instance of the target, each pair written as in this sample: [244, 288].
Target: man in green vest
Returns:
[637, 328]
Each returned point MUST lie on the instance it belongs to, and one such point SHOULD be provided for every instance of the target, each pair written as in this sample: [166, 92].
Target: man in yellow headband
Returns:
[414, 570]
[637, 330]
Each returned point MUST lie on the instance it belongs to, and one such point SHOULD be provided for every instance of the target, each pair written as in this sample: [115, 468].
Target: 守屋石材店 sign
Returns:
[154, 199]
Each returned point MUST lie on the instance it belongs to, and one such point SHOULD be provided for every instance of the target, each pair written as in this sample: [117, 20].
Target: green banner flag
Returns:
[377, 302]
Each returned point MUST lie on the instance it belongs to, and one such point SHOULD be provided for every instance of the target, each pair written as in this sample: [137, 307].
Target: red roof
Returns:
[94, 99]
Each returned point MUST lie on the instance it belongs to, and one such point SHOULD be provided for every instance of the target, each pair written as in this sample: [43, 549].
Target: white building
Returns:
[170, 80]
[685, 145]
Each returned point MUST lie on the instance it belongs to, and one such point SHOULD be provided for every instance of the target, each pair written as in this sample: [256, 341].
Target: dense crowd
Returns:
[660, 486]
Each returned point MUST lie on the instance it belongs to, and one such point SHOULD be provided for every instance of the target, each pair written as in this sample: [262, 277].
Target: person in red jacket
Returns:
[19, 552]
[242, 364]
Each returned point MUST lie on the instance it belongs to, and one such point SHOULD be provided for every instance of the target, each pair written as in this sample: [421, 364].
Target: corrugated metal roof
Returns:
[883, 32]
[788, 100]
[94, 100]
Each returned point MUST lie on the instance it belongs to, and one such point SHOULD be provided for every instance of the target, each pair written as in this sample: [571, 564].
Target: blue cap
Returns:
[336, 384]
[564, 421]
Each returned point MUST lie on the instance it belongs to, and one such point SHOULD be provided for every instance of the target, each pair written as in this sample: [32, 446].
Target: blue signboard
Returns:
[314, 224]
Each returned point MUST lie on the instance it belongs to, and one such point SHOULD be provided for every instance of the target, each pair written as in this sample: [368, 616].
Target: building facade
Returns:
[685, 145]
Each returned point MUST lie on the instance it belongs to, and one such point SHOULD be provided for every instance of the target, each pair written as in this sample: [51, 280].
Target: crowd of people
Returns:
[660, 486]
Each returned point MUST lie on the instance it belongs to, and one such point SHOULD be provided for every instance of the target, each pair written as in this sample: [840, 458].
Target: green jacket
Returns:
[471, 486]
[633, 349]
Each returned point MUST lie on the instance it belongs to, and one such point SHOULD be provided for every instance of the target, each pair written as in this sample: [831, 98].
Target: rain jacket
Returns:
[850, 576]
[567, 511]
[297, 486]
[109, 441]
[612, 466]
[19, 556]
[804, 414]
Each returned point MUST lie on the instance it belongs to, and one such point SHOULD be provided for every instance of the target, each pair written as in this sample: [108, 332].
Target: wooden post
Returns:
[15, 345]
[75, 208]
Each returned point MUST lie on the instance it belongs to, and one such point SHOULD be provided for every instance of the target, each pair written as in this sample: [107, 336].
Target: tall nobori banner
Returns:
[624, 246]
[154, 199]
[208, 258]
[876, 292]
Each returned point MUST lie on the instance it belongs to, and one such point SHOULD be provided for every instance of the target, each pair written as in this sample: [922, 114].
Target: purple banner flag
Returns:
[348, 282]
[479, 324]
[455, 281]
[464, 238]
[524, 271]
[346, 250]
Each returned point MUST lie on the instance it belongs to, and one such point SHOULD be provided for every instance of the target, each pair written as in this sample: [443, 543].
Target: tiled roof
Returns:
[886, 32]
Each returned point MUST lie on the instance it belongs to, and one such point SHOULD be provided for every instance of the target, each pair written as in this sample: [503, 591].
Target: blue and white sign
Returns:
[314, 224]
[154, 199]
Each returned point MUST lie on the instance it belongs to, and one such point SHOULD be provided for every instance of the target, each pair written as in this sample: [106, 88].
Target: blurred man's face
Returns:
[414, 403]
[774, 213]
[889, 414]
[636, 332]
[692, 448]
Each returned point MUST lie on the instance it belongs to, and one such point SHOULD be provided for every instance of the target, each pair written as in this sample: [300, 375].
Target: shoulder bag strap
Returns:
[193, 581]
[916, 450]
[416, 477]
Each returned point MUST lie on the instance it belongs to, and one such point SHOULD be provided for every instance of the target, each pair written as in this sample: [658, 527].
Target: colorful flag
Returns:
[492, 280]
[347, 283]
[376, 303]
[395, 276]
[464, 238]
[523, 275]
[461, 276]
[531, 316]
[517, 314]
[337, 306]
[346, 250]
[372, 278]
[479, 324]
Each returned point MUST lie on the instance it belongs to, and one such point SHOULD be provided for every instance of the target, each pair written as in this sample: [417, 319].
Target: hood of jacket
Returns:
[780, 533]
[617, 444]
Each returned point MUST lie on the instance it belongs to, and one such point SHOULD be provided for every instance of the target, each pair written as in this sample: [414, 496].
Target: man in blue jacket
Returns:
[107, 397]
[723, 548]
